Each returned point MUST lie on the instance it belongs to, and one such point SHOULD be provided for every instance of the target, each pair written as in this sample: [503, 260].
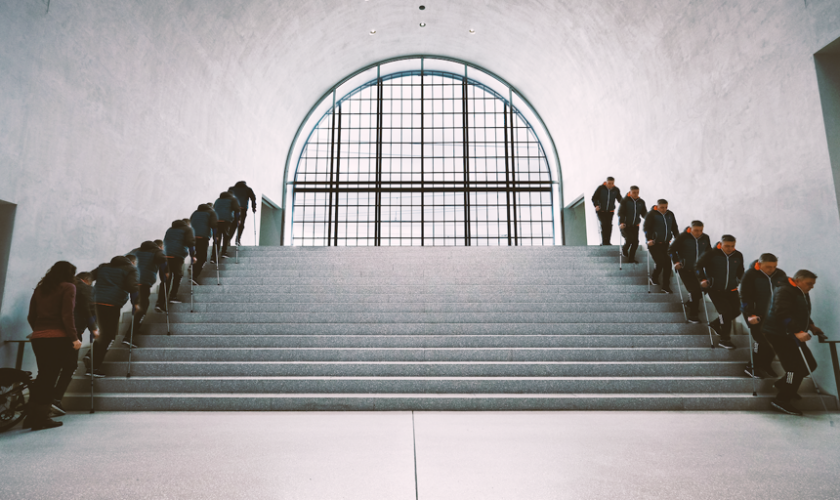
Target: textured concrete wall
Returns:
[154, 106]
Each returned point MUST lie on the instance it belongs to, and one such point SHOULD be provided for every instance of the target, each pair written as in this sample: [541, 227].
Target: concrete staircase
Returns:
[511, 328]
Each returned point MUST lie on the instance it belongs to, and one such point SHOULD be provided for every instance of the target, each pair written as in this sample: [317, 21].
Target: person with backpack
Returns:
[54, 339]
[719, 271]
[685, 252]
[116, 284]
[204, 223]
[227, 210]
[243, 194]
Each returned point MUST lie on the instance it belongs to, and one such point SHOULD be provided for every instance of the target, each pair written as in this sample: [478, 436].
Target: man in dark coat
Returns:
[719, 271]
[758, 288]
[660, 228]
[787, 328]
[116, 283]
[204, 223]
[631, 211]
[227, 211]
[604, 200]
[178, 244]
[151, 262]
[243, 194]
[685, 252]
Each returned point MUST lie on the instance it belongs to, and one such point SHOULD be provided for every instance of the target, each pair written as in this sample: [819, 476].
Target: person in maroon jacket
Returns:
[54, 338]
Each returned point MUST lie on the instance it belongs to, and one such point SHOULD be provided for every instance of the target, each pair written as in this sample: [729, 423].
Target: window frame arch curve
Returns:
[358, 79]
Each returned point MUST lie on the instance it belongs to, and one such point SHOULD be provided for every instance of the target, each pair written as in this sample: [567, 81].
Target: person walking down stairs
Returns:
[660, 228]
[719, 271]
[631, 211]
[685, 252]
[758, 288]
[604, 200]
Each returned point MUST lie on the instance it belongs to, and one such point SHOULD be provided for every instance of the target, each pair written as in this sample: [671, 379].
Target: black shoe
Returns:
[46, 424]
[785, 407]
[694, 320]
[159, 309]
[667, 290]
[56, 409]
[238, 243]
[715, 325]
[726, 344]
[175, 300]
[96, 373]
[225, 257]
[749, 371]
[213, 260]
[129, 344]
[652, 281]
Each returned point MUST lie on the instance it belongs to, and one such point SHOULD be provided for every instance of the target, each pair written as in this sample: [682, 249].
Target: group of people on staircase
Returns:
[65, 303]
[776, 308]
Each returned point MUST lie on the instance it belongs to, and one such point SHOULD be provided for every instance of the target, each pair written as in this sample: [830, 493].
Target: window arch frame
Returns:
[362, 77]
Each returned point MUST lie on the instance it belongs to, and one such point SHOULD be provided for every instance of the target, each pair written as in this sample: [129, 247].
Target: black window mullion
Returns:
[378, 220]
[513, 177]
[332, 162]
[465, 131]
[507, 179]
[422, 160]
[337, 172]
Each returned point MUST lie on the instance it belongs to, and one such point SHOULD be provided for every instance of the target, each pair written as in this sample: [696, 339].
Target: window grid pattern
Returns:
[422, 158]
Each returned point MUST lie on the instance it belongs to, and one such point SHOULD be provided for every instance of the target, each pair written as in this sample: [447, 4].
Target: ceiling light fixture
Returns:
[472, 32]
[422, 7]
[422, 25]
[372, 32]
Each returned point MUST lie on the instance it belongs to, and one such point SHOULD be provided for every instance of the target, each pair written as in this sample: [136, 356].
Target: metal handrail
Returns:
[835, 363]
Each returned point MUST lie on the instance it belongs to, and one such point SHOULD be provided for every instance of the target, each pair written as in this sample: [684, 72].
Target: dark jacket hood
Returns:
[240, 184]
[179, 223]
[205, 208]
[149, 246]
[227, 196]
[121, 260]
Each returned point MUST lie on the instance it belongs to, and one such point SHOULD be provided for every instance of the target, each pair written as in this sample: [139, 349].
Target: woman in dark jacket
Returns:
[54, 338]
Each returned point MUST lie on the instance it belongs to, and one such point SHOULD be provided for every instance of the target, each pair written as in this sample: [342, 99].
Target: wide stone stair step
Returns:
[405, 328]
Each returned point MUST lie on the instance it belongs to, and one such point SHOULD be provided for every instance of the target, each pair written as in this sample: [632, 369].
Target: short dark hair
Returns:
[132, 257]
[158, 242]
[767, 257]
[661, 201]
[634, 188]
[186, 220]
[697, 223]
[804, 274]
[610, 178]
[84, 276]
[727, 238]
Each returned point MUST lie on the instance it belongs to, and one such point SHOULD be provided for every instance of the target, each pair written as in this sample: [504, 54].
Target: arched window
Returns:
[422, 157]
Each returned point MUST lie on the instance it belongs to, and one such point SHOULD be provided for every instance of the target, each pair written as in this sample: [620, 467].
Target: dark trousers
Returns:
[605, 219]
[695, 293]
[108, 318]
[763, 353]
[787, 347]
[53, 358]
[728, 305]
[201, 246]
[631, 241]
[241, 227]
[145, 292]
[659, 254]
[222, 240]
[173, 283]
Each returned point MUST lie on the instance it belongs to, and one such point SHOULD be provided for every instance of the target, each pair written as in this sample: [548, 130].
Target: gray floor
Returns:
[483, 455]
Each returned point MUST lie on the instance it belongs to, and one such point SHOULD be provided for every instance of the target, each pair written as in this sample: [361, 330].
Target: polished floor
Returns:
[460, 455]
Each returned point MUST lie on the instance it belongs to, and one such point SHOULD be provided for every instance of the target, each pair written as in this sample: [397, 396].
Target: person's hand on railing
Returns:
[803, 336]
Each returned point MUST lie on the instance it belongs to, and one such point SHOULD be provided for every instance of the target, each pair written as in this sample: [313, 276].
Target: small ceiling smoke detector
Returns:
[422, 7]
[422, 25]
[472, 32]
[372, 32]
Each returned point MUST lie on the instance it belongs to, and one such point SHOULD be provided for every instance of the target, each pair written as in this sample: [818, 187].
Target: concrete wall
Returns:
[114, 119]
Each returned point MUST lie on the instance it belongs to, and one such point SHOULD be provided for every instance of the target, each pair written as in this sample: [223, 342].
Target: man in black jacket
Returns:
[204, 222]
[604, 200]
[660, 227]
[243, 194]
[228, 212]
[630, 213]
[787, 328]
[685, 252]
[151, 262]
[178, 244]
[758, 288]
[719, 271]
[116, 282]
